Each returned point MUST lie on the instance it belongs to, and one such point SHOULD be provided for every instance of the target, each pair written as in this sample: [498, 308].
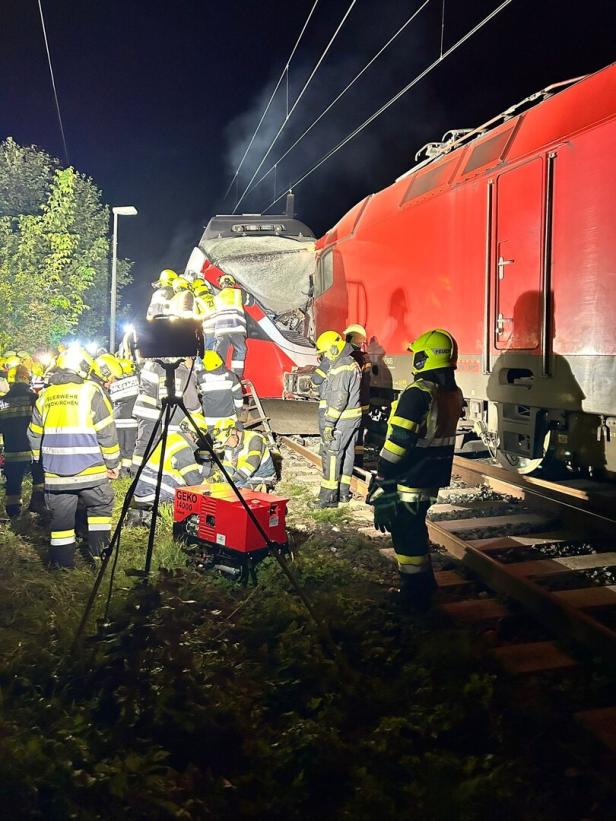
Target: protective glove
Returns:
[385, 509]
[328, 435]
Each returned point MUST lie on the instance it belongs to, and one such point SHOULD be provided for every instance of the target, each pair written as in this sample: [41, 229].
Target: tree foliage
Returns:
[54, 250]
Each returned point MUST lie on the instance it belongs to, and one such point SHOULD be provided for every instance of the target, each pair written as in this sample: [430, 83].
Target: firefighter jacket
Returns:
[365, 365]
[319, 378]
[230, 317]
[221, 394]
[179, 469]
[342, 389]
[123, 394]
[160, 302]
[72, 433]
[15, 415]
[251, 455]
[418, 452]
[153, 389]
[205, 311]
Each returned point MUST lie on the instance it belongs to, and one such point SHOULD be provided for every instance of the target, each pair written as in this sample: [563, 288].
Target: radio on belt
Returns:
[218, 532]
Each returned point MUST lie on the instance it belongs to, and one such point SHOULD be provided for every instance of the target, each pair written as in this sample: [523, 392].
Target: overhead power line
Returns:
[285, 72]
[394, 99]
[342, 93]
[296, 103]
[53, 83]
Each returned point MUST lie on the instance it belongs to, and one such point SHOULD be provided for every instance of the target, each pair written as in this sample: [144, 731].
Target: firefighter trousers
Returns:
[14, 473]
[144, 431]
[237, 344]
[338, 457]
[359, 444]
[412, 547]
[98, 504]
[127, 440]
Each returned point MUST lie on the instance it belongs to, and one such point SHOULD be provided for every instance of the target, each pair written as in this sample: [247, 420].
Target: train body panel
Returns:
[508, 241]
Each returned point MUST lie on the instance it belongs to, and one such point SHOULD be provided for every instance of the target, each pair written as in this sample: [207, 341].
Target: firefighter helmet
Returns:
[355, 335]
[432, 350]
[200, 287]
[107, 366]
[212, 360]
[330, 344]
[227, 281]
[127, 365]
[165, 278]
[75, 360]
[199, 420]
[223, 428]
[11, 360]
[180, 284]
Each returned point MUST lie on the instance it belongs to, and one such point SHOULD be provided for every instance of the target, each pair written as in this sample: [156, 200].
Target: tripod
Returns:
[204, 442]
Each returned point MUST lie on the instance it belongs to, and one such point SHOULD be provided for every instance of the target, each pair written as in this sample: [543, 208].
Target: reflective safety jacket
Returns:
[182, 305]
[123, 394]
[179, 469]
[230, 317]
[418, 452]
[153, 389]
[365, 366]
[342, 389]
[73, 434]
[221, 394]
[205, 310]
[318, 379]
[251, 456]
[160, 302]
[15, 415]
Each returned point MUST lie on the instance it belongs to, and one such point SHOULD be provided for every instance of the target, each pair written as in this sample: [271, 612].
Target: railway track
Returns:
[560, 533]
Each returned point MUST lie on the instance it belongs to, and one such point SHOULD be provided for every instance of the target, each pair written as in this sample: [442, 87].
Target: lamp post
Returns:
[124, 211]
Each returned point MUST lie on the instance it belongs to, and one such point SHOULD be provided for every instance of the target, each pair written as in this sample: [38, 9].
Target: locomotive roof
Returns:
[241, 225]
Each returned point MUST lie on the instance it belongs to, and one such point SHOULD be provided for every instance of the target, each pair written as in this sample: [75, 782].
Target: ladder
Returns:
[253, 415]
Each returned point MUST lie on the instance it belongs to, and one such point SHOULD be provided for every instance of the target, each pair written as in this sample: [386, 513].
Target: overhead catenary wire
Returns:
[53, 83]
[285, 73]
[394, 99]
[297, 100]
[383, 48]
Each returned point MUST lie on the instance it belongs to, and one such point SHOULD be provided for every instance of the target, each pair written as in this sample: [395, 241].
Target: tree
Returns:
[54, 250]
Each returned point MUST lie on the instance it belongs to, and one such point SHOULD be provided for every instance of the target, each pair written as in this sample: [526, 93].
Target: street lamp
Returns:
[124, 211]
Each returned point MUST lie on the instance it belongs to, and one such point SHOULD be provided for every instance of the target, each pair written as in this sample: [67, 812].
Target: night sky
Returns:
[159, 97]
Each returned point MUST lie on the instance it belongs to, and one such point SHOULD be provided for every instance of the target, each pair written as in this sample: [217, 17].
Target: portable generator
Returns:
[219, 534]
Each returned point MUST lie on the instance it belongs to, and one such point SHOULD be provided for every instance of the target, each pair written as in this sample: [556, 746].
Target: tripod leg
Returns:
[163, 446]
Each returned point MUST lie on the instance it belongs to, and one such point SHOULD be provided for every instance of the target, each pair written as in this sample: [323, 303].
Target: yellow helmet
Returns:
[127, 365]
[432, 350]
[212, 360]
[223, 428]
[11, 360]
[107, 366]
[227, 281]
[165, 278]
[198, 419]
[330, 344]
[355, 335]
[201, 287]
[180, 284]
[75, 360]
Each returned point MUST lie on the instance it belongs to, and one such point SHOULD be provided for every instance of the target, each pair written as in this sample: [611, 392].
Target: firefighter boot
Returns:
[328, 498]
[37, 501]
[416, 590]
[13, 506]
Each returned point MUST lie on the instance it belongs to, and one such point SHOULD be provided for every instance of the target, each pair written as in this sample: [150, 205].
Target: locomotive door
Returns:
[517, 259]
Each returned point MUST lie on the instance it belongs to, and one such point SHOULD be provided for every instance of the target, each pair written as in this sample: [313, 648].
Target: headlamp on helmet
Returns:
[227, 281]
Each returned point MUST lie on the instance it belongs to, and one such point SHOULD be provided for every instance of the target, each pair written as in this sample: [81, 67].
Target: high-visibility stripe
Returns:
[18, 456]
[401, 422]
[322, 404]
[389, 457]
[187, 469]
[351, 413]
[340, 368]
[412, 564]
[69, 450]
[35, 428]
[97, 528]
[99, 520]
[98, 472]
[60, 534]
[58, 542]
[329, 484]
[398, 450]
[437, 442]
[146, 400]
[345, 480]
[333, 413]
[124, 424]
[112, 450]
[103, 423]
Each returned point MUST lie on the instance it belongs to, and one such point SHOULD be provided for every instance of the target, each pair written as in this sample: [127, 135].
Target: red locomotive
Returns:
[219, 532]
[504, 235]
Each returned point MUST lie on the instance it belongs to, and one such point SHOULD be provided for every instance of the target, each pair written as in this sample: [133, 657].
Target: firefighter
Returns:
[205, 312]
[106, 370]
[163, 294]
[123, 393]
[15, 415]
[245, 455]
[230, 323]
[416, 461]
[182, 303]
[73, 436]
[152, 390]
[319, 378]
[341, 419]
[356, 336]
[220, 390]
[180, 469]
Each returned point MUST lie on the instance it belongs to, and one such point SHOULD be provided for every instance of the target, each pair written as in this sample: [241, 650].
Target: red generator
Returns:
[218, 532]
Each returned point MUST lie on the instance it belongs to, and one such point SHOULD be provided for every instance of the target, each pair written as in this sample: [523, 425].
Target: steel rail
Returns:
[571, 623]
